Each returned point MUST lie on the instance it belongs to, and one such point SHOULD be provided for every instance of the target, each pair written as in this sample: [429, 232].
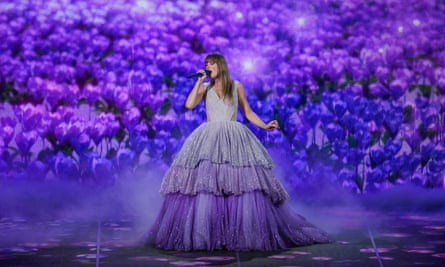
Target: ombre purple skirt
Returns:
[220, 193]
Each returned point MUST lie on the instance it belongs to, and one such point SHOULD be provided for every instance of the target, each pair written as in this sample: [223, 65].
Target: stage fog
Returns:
[92, 113]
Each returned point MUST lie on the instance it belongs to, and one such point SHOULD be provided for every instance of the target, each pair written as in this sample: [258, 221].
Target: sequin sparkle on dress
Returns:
[220, 192]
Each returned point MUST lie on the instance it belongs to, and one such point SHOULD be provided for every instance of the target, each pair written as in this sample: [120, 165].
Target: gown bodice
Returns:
[219, 108]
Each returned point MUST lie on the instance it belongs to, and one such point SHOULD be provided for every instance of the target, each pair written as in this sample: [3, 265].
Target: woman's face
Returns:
[213, 67]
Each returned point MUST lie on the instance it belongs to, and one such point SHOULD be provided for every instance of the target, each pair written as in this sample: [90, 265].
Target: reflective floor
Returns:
[397, 238]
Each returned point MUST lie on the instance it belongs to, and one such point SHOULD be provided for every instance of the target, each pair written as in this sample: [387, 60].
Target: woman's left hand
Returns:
[272, 125]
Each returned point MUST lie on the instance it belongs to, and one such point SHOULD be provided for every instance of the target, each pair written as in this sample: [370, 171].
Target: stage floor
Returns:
[396, 238]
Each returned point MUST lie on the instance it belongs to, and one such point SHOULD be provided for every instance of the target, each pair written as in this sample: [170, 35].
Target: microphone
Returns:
[198, 74]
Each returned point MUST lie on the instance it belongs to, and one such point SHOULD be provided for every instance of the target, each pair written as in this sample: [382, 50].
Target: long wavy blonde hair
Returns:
[223, 74]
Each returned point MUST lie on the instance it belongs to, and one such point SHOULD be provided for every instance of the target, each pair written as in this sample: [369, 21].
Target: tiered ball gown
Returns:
[220, 192]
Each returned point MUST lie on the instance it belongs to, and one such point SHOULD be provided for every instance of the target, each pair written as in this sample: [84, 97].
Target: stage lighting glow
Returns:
[143, 4]
[248, 64]
[416, 22]
[400, 29]
[239, 15]
[300, 21]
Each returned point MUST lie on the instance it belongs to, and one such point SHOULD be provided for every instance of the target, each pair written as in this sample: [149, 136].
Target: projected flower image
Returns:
[92, 90]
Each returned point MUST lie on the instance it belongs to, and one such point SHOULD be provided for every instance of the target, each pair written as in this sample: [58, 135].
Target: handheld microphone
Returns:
[198, 74]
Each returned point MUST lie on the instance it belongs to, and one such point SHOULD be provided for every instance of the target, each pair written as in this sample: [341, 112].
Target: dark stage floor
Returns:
[396, 238]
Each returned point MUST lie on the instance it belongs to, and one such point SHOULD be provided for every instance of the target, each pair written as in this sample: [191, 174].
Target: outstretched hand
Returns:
[272, 125]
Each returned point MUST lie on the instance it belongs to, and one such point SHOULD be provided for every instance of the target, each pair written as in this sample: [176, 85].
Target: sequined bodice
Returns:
[220, 109]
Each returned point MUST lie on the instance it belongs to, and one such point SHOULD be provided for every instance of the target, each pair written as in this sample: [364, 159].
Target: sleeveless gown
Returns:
[220, 192]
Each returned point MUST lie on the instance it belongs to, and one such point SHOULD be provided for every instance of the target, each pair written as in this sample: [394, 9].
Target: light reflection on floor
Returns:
[402, 239]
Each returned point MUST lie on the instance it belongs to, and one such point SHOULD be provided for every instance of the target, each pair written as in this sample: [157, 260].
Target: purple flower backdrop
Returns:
[94, 90]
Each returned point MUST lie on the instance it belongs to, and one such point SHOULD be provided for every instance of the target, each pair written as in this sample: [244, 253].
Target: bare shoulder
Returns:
[239, 86]
[241, 92]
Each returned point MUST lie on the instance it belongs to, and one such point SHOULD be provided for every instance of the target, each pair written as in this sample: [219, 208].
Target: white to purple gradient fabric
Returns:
[249, 221]
[220, 193]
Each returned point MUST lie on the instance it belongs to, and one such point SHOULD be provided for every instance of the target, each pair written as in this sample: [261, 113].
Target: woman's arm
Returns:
[197, 93]
[250, 114]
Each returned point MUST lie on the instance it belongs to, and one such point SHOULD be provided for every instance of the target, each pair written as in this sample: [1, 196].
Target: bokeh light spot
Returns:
[281, 257]
[190, 263]
[397, 235]
[147, 258]
[143, 4]
[300, 21]
[90, 256]
[248, 64]
[216, 258]
[421, 251]
[435, 227]
[322, 258]
[300, 252]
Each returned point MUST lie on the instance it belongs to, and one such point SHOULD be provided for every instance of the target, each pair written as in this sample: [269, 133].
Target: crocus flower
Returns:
[138, 142]
[103, 171]
[81, 142]
[7, 129]
[300, 139]
[377, 175]
[111, 58]
[96, 131]
[65, 167]
[125, 158]
[53, 92]
[140, 94]
[394, 122]
[92, 93]
[435, 166]
[164, 122]
[377, 156]
[334, 132]
[25, 140]
[382, 74]
[427, 151]
[378, 90]
[340, 148]
[398, 88]
[355, 156]
[339, 107]
[327, 117]
[439, 76]
[121, 99]
[66, 112]
[131, 118]
[311, 114]
[391, 148]
[349, 122]
[362, 135]
[30, 115]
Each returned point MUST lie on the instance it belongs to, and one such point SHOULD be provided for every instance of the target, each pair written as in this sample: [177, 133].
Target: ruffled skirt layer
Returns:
[220, 193]
[237, 222]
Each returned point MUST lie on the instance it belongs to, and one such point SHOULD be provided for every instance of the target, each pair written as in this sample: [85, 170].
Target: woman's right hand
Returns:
[197, 92]
[204, 75]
